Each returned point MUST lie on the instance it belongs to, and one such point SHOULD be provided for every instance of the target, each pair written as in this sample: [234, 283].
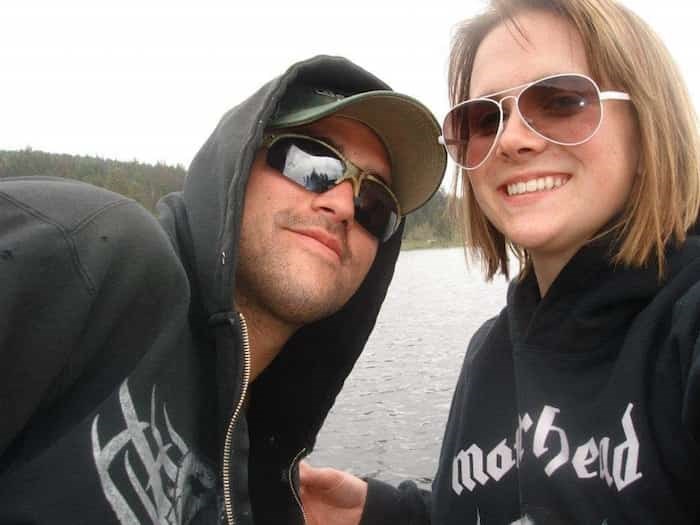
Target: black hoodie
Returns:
[582, 407]
[123, 358]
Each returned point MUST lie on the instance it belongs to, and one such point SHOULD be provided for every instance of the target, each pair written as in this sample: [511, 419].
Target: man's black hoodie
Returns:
[123, 367]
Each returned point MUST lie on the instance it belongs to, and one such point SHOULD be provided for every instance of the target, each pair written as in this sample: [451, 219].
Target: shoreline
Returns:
[428, 244]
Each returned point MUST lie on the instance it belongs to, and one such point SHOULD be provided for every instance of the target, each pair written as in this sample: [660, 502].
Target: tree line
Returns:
[147, 183]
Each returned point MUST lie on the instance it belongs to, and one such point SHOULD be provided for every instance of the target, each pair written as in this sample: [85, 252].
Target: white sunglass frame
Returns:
[602, 96]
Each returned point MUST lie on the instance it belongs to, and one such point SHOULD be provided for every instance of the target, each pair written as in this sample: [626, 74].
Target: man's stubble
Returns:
[272, 276]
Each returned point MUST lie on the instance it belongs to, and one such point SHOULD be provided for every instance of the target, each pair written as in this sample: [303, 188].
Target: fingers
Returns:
[335, 488]
[330, 496]
[320, 479]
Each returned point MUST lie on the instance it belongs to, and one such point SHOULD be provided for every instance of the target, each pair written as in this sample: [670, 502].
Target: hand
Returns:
[330, 496]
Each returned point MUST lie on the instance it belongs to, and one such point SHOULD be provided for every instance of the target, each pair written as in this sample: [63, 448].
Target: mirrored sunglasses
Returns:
[319, 167]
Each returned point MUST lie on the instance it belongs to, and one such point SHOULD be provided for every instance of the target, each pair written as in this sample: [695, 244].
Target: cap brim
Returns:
[408, 130]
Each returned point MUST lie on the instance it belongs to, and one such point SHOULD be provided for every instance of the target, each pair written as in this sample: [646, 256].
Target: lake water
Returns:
[388, 420]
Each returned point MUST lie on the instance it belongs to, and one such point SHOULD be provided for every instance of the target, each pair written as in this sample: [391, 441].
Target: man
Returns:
[177, 372]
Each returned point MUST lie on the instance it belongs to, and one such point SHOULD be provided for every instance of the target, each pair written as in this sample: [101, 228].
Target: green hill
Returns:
[144, 183]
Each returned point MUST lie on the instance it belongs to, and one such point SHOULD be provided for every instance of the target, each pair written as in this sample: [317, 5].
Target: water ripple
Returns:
[388, 420]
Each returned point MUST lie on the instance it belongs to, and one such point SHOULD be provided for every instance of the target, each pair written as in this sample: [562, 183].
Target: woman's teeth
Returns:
[531, 186]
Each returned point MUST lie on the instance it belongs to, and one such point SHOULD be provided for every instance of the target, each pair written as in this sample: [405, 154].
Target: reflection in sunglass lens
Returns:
[317, 168]
[470, 130]
[484, 119]
[376, 210]
[306, 162]
[565, 109]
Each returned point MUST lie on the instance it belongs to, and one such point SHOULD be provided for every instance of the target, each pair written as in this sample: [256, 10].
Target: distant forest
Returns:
[146, 183]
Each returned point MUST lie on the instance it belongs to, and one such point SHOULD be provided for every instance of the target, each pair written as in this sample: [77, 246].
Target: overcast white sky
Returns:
[148, 80]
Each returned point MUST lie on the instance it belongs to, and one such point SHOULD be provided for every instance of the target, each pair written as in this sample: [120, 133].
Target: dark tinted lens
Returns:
[470, 130]
[306, 162]
[375, 210]
[565, 109]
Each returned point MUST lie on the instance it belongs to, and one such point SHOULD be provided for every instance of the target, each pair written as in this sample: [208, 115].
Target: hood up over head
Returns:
[291, 398]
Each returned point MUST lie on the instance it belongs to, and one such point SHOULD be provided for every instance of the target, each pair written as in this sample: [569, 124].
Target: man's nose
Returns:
[338, 203]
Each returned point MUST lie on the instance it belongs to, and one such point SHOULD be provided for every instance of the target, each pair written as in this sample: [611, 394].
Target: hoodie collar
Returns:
[587, 304]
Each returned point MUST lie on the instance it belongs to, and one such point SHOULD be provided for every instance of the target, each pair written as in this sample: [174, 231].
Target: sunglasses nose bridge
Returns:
[514, 108]
[503, 99]
[516, 135]
[352, 174]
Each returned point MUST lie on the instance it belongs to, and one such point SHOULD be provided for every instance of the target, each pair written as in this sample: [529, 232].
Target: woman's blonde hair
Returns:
[622, 49]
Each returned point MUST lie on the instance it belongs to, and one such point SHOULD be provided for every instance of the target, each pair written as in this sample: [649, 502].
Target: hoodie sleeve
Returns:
[405, 505]
[76, 267]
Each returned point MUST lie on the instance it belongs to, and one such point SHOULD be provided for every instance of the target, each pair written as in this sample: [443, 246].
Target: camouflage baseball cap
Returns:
[407, 128]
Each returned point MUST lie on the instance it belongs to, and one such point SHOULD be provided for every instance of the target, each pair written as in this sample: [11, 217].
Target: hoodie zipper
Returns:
[228, 504]
[297, 497]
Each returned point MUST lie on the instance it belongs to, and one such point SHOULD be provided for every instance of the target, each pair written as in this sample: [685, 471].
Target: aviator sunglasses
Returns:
[565, 109]
[319, 167]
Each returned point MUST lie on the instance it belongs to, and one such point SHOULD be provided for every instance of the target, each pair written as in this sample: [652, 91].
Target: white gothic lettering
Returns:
[615, 464]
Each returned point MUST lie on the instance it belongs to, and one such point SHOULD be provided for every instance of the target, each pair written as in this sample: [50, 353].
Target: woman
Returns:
[579, 153]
